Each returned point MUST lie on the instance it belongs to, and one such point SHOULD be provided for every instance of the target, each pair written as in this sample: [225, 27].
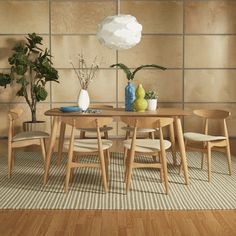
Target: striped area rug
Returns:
[26, 191]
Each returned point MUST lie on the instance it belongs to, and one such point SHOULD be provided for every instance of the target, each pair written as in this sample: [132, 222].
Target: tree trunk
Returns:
[33, 115]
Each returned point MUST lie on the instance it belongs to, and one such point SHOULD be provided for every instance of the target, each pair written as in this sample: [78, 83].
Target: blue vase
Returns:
[129, 96]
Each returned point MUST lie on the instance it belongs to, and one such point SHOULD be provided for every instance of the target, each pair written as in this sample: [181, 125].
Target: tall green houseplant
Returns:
[31, 69]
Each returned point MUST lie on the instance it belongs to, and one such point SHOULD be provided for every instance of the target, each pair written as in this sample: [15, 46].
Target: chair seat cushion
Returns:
[94, 130]
[146, 145]
[88, 145]
[30, 135]
[198, 137]
[140, 130]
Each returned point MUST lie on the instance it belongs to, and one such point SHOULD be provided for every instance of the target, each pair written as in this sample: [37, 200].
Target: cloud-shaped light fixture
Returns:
[119, 32]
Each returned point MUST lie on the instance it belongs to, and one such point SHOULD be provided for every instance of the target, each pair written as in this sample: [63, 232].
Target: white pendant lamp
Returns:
[119, 31]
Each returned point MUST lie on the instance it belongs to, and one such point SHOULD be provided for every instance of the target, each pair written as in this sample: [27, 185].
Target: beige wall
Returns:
[196, 40]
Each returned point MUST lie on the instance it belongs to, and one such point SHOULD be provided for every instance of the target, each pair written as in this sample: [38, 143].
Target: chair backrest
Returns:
[13, 114]
[147, 122]
[101, 106]
[213, 114]
[87, 122]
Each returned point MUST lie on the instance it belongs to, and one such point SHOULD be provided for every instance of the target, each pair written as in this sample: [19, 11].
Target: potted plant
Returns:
[31, 68]
[129, 89]
[151, 97]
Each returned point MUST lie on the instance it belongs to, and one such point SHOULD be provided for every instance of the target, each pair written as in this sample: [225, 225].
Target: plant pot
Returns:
[38, 126]
[152, 104]
[83, 99]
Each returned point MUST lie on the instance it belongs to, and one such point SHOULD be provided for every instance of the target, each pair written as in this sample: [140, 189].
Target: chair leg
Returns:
[108, 156]
[42, 144]
[180, 167]
[106, 135]
[68, 171]
[13, 158]
[9, 161]
[128, 181]
[103, 169]
[61, 142]
[163, 156]
[71, 174]
[125, 155]
[152, 135]
[126, 165]
[203, 160]
[229, 158]
[127, 135]
[209, 161]
[129, 171]
[161, 170]
[181, 164]
[106, 163]
[82, 134]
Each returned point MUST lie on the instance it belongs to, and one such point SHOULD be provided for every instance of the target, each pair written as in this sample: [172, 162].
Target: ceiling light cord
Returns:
[118, 7]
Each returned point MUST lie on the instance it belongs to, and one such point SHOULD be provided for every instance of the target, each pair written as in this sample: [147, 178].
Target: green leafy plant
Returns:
[151, 95]
[31, 69]
[130, 74]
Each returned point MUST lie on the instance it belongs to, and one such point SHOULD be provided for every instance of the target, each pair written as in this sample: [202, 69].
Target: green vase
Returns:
[140, 104]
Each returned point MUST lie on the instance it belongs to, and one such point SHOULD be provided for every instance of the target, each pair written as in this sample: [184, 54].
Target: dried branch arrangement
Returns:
[84, 73]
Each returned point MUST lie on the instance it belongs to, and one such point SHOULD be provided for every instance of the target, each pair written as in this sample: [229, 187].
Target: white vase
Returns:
[152, 104]
[83, 99]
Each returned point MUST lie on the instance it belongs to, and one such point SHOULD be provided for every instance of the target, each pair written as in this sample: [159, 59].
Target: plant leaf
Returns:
[125, 69]
[147, 66]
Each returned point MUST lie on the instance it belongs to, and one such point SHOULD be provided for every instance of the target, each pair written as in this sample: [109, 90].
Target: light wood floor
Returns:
[113, 223]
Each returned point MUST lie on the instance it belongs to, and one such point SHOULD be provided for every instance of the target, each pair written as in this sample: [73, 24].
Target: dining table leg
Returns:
[182, 151]
[61, 142]
[172, 140]
[56, 122]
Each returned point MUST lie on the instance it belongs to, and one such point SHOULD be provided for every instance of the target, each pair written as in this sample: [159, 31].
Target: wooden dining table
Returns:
[116, 113]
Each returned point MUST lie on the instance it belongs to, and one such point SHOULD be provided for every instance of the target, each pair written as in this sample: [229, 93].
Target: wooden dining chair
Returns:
[147, 147]
[78, 148]
[151, 135]
[105, 129]
[210, 142]
[22, 139]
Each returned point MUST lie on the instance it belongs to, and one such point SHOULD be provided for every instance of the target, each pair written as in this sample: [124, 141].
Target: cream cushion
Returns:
[88, 145]
[198, 137]
[146, 145]
[30, 135]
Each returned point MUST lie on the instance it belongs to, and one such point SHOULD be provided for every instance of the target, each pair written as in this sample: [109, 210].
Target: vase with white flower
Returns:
[85, 75]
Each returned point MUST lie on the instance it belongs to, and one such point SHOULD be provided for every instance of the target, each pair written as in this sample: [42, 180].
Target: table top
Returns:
[118, 112]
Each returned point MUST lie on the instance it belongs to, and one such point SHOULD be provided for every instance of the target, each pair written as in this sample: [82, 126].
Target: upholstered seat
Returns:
[147, 145]
[30, 135]
[88, 145]
[198, 137]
